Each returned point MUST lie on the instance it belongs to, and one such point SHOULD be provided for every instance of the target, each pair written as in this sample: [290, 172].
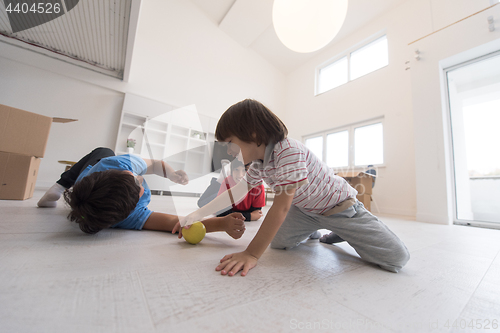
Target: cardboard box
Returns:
[23, 132]
[17, 176]
[361, 181]
[23, 139]
[366, 199]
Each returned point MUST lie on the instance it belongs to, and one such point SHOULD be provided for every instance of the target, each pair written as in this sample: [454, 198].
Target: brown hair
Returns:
[251, 121]
[102, 199]
[235, 164]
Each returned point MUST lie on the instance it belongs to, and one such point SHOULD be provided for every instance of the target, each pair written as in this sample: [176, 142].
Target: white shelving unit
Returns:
[180, 137]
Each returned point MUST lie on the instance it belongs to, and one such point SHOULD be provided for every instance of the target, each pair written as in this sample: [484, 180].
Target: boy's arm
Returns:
[246, 260]
[210, 193]
[160, 222]
[223, 201]
[253, 214]
[232, 224]
[162, 169]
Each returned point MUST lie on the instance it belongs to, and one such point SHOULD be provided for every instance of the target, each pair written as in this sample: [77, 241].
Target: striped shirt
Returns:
[290, 165]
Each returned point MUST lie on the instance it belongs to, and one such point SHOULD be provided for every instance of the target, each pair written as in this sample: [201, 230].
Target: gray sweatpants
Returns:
[371, 239]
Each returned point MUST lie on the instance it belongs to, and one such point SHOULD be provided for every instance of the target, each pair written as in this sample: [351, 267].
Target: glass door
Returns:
[474, 105]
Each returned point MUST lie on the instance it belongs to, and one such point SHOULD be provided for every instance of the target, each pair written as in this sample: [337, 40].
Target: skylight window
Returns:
[353, 64]
[369, 58]
[333, 75]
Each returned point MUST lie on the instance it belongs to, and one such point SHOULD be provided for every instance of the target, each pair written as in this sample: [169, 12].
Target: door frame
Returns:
[450, 150]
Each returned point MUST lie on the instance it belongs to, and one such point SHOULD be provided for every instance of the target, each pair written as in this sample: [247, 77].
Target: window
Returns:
[337, 153]
[356, 145]
[369, 58]
[368, 145]
[354, 64]
[315, 145]
[333, 75]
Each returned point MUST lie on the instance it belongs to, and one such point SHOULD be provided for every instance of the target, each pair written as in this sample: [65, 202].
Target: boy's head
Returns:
[251, 121]
[237, 170]
[102, 199]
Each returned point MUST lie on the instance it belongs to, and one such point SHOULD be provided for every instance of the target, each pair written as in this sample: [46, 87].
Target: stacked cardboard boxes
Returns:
[23, 138]
[362, 182]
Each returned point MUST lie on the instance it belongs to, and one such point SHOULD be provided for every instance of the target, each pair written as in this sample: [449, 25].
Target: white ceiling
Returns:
[249, 22]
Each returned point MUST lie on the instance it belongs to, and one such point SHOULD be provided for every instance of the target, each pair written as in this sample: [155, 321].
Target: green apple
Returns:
[195, 233]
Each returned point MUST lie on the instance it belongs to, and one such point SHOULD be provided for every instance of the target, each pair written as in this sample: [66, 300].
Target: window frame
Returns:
[318, 73]
[347, 54]
[350, 128]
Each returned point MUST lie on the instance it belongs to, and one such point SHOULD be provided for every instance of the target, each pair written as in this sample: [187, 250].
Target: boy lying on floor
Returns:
[108, 191]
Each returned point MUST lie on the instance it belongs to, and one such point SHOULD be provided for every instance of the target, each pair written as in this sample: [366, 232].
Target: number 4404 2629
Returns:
[485, 324]
[39, 8]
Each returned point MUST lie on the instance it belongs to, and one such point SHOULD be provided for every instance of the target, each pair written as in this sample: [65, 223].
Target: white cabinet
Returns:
[179, 136]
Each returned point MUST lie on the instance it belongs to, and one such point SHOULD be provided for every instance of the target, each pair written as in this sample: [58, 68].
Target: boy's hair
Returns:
[102, 199]
[251, 121]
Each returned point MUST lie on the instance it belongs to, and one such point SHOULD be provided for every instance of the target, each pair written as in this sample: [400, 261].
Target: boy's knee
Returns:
[104, 150]
[398, 260]
[404, 257]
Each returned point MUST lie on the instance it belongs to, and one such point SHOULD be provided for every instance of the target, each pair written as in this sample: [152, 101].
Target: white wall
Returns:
[183, 58]
[386, 92]
[180, 58]
[97, 109]
[458, 43]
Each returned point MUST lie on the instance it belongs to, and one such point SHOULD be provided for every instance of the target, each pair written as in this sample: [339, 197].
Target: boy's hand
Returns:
[234, 225]
[177, 228]
[233, 263]
[179, 177]
[237, 215]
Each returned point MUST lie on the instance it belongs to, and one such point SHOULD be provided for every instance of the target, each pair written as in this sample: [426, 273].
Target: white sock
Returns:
[50, 197]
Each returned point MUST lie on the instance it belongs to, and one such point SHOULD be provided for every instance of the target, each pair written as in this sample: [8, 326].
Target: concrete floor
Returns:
[54, 278]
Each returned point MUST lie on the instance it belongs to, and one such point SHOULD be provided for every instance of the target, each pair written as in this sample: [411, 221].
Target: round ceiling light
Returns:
[308, 25]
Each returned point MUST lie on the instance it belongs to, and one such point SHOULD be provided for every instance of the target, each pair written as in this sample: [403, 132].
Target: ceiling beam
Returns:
[247, 20]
